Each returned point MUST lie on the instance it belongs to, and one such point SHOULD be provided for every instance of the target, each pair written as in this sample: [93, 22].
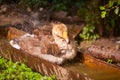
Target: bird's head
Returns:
[60, 30]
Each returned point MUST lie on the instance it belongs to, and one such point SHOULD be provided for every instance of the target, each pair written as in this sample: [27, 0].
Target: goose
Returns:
[49, 43]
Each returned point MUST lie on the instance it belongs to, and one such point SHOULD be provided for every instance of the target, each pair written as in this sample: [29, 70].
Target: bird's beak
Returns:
[65, 36]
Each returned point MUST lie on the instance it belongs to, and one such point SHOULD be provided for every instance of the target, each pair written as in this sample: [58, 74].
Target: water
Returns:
[94, 73]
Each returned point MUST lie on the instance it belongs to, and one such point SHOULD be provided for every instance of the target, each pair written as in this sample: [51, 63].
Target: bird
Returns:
[50, 43]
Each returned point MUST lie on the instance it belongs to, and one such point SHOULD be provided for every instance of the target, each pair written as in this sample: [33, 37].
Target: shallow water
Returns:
[94, 73]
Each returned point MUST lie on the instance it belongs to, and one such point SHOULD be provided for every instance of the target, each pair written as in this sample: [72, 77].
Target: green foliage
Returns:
[92, 19]
[67, 5]
[81, 9]
[117, 11]
[103, 14]
[110, 13]
[109, 61]
[112, 5]
[17, 71]
[2, 61]
[33, 3]
[1, 1]
[56, 5]
[88, 33]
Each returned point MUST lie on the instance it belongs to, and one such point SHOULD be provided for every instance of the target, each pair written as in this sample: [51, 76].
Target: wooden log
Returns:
[74, 30]
[38, 64]
[14, 33]
[10, 32]
[3, 32]
[105, 49]
[99, 64]
[10, 20]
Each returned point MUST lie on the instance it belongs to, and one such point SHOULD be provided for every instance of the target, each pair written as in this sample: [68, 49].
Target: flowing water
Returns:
[94, 73]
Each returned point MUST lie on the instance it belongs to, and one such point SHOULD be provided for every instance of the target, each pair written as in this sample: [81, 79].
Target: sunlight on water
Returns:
[96, 74]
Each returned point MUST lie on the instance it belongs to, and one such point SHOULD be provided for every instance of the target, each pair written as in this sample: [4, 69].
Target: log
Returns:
[3, 31]
[74, 30]
[10, 20]
[99, 64]
[105, 49]
[14, 33]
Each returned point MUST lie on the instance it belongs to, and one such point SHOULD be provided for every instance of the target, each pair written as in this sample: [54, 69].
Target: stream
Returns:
[96, 74]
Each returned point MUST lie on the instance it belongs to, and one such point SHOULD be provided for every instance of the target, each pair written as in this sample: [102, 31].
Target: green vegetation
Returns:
[33, 3]
[92, 18]
[17, 71]
[109, 61]
[112, 5]
[110, 13]
[56, 5]
[88, 33]
[0, 1]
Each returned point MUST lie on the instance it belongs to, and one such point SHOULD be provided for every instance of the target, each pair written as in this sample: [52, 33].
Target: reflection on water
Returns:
[96, 74]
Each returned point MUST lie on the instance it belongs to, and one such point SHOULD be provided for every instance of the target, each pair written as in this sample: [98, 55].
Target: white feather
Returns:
[14, 44]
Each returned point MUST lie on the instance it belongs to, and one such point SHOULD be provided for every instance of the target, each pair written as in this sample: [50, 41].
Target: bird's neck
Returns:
[62, 44]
